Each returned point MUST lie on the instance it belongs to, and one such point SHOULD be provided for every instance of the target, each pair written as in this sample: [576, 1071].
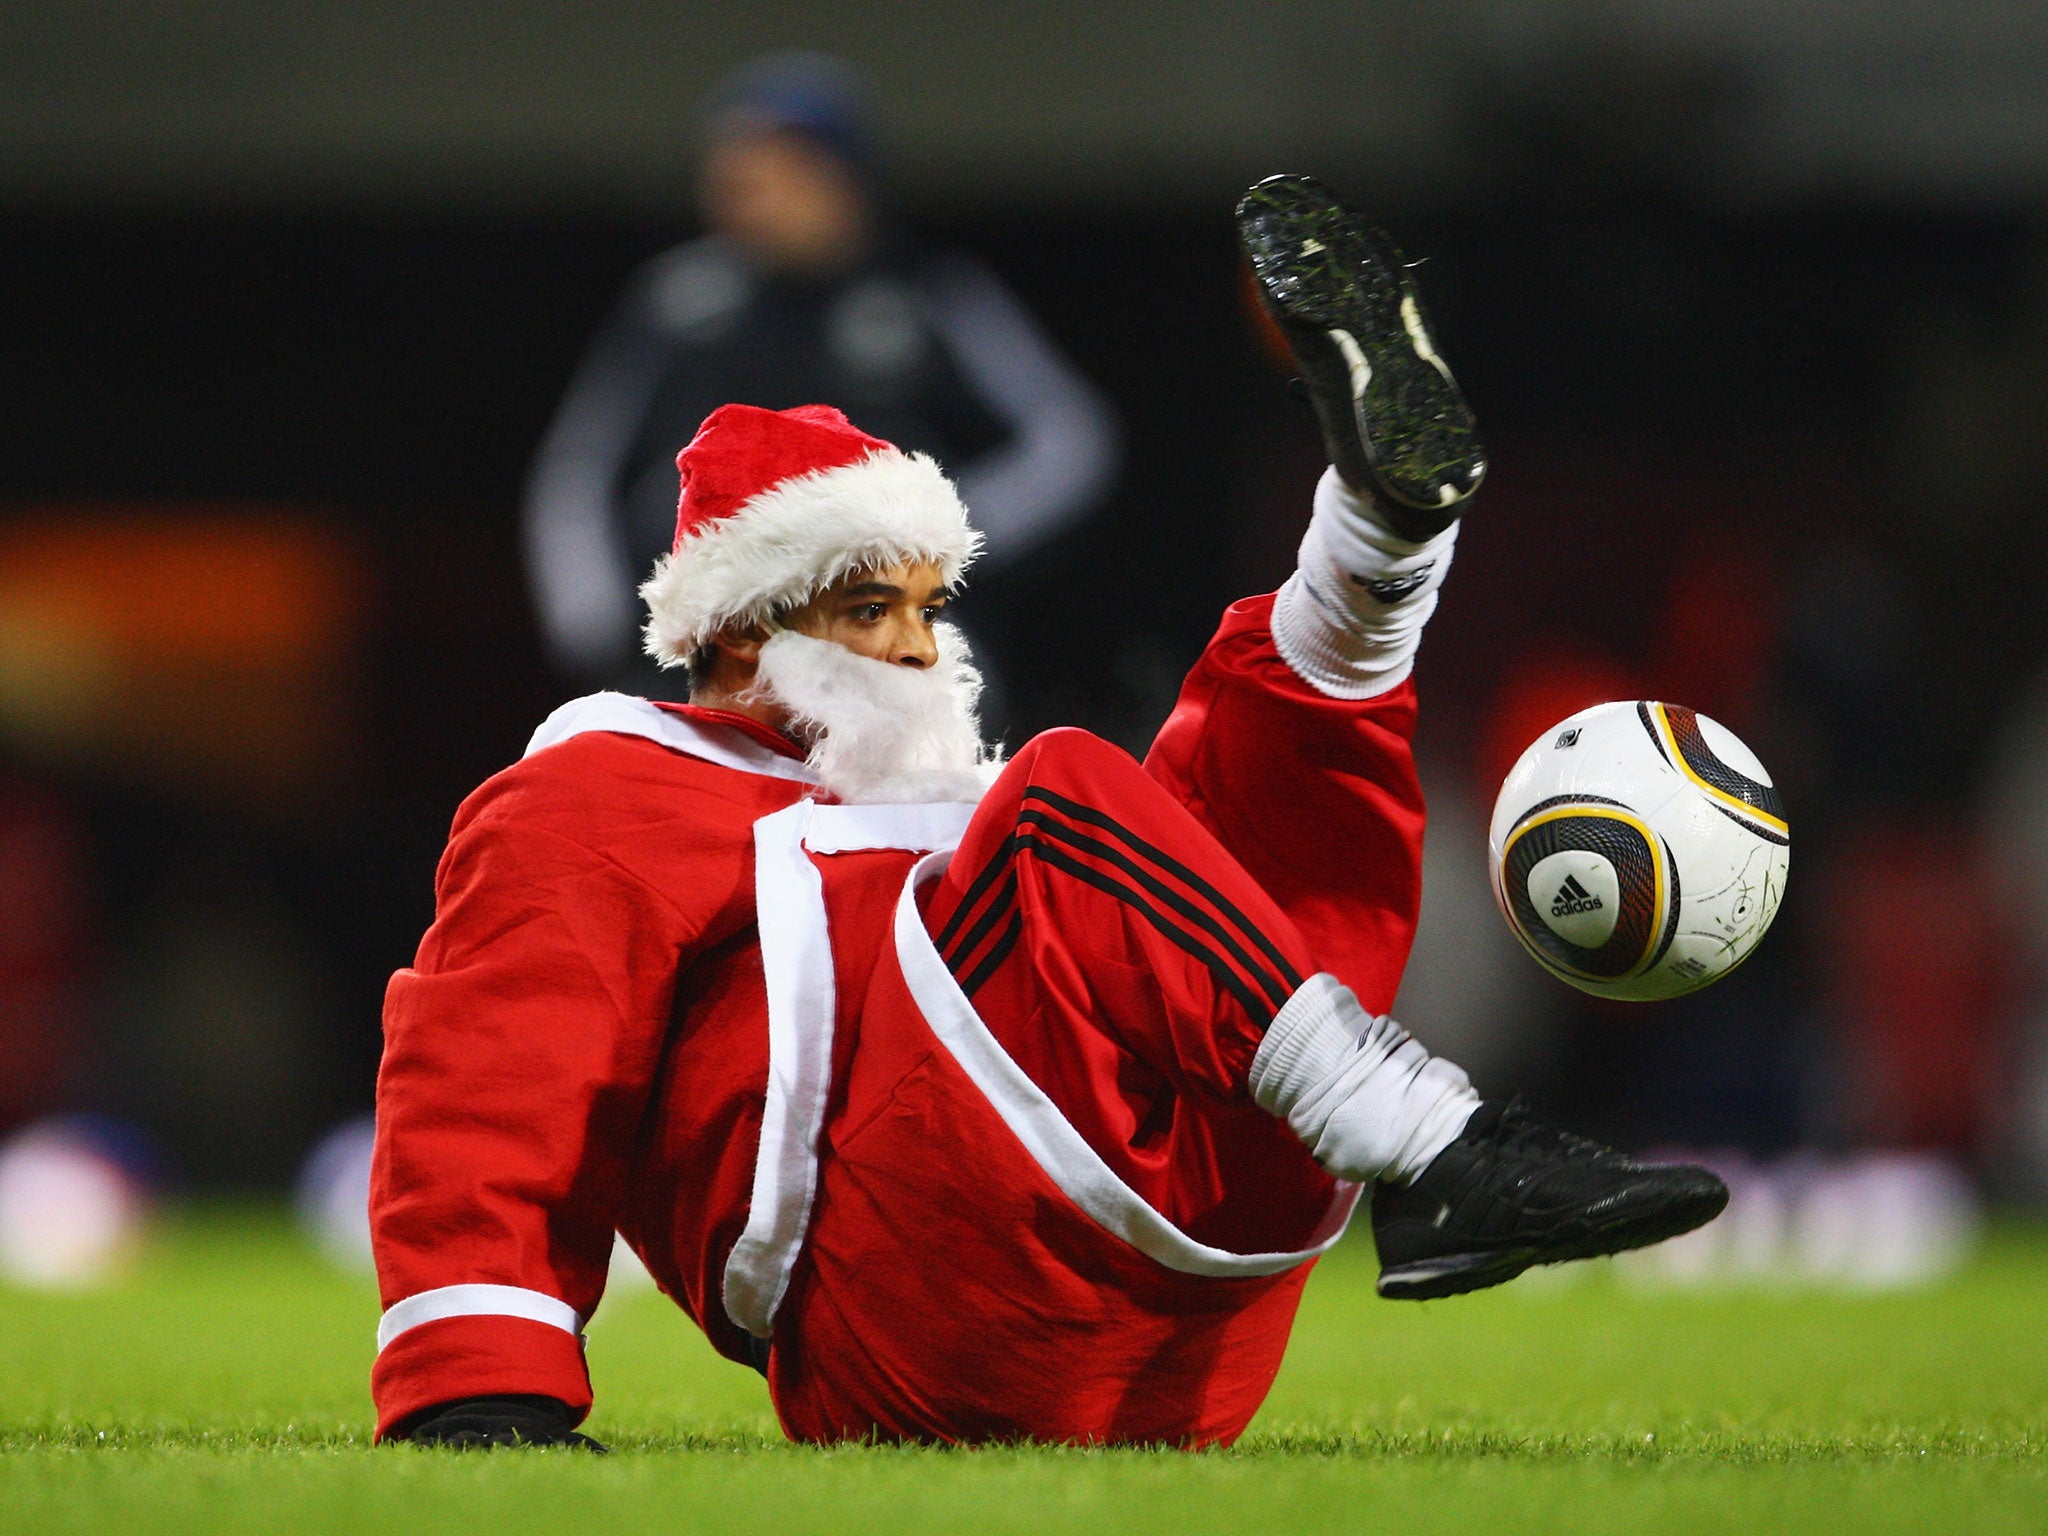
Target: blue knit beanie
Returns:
[814, 94]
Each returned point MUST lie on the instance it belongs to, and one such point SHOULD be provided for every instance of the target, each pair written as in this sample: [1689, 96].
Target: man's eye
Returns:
[933, 611]
[874, 613]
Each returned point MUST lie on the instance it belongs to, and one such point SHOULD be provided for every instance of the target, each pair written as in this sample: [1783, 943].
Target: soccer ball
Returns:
[1638, 850]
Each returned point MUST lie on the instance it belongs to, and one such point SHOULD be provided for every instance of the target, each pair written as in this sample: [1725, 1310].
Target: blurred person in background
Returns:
[803, 290]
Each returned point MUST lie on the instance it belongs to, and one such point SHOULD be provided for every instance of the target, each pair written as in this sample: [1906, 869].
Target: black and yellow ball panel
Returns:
[1648, 883]
[1556, 800]
[1676, 731]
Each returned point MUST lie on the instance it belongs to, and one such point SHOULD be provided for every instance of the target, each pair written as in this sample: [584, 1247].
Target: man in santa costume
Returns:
[964, 1099]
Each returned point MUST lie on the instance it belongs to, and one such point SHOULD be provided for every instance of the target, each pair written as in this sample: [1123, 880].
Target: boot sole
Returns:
[1342, 295]
[1457, 1273]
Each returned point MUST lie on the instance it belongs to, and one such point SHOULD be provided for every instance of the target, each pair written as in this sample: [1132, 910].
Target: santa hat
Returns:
[779, 505]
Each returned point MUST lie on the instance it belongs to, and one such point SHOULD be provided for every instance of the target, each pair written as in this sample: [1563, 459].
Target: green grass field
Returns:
[222, 1388]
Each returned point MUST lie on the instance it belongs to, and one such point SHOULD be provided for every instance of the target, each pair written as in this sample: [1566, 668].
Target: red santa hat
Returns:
[779, 505]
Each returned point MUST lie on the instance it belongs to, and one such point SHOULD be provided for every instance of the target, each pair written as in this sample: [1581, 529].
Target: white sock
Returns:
[1364, 1097]
[1349, 619]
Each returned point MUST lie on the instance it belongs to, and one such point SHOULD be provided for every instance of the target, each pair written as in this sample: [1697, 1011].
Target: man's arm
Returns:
[519, 1052]
[1063, 440]
[580, 556]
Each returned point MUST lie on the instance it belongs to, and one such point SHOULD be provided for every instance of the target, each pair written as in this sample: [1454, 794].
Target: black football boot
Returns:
[1512, 1192]
[1393, 420]
[485, 1423]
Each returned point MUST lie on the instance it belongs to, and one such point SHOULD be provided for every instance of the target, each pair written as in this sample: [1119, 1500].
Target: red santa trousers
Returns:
[1046, 1206]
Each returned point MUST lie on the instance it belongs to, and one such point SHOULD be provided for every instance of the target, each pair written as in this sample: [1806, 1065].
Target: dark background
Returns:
[1755, 314]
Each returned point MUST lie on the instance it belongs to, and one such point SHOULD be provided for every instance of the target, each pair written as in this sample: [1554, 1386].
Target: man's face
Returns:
[790, 202]
[886, 615]
[881, 701]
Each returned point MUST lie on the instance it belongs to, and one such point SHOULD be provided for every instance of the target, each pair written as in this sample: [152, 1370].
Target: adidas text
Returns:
[1573, 898]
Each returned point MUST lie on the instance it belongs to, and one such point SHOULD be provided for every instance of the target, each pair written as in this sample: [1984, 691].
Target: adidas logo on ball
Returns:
[1573, 898]
[1639, 850]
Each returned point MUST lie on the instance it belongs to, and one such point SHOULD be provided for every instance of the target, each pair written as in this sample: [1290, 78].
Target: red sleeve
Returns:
[1317, 797]
[519, 1052]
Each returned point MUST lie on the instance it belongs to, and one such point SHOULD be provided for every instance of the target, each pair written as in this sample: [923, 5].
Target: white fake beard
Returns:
[882, 734]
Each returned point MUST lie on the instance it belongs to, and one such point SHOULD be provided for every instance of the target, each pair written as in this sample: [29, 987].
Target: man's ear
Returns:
[724, 668]
[742, 645]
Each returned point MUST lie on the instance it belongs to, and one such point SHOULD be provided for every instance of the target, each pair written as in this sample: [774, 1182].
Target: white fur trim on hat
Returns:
[793, 540]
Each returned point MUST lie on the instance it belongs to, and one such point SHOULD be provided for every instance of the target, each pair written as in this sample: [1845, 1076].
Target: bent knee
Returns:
[1068, 753]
